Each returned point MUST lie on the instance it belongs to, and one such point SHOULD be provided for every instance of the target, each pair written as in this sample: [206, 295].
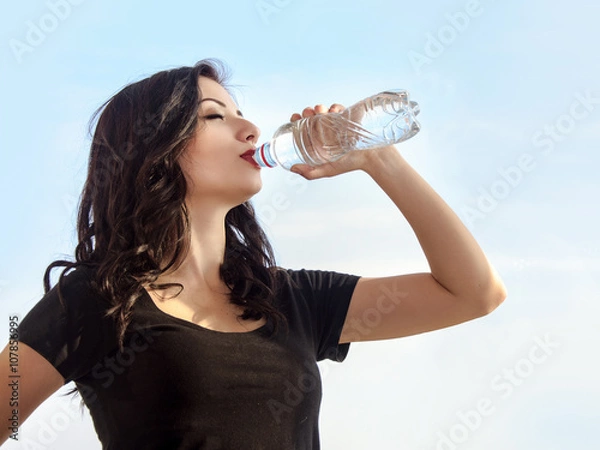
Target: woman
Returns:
[176, 325]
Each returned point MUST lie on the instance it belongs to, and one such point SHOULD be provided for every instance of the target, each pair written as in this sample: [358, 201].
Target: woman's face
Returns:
[216, 173]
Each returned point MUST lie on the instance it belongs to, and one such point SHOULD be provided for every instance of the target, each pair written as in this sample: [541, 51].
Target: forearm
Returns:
[455, 259]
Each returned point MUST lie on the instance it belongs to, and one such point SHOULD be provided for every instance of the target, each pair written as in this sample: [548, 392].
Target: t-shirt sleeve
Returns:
[72, 338]
[328, 296]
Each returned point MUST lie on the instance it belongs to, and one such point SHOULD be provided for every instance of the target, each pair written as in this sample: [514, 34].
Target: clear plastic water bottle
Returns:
[383, 119]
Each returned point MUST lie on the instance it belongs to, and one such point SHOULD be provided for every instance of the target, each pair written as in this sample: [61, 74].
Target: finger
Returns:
[312, 173]
[308, 112]
[302, 169]
[336, 107]
[295, 117]
[320, 109]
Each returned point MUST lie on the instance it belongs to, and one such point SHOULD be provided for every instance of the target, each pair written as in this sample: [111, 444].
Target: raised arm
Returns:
[37, 380]
[462, 284]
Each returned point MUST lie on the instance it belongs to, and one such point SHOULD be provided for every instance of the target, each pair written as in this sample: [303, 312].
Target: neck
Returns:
[200, 268]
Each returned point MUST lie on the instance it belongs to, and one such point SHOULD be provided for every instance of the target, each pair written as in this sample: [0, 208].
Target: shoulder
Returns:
[68, 326]
[317, 282]
[316, 277]
[78, 276]
[74, 291]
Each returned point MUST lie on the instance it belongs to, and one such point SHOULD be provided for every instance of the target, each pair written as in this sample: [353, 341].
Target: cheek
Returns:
[205, 173]
[203, 152]
[196, 158]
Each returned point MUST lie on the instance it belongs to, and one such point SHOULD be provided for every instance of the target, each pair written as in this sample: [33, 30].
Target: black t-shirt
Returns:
[177, 385]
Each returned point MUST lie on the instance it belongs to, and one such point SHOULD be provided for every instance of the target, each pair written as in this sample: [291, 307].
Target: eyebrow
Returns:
[239, 113]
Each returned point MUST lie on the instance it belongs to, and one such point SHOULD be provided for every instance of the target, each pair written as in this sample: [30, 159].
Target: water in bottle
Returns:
[383, 119]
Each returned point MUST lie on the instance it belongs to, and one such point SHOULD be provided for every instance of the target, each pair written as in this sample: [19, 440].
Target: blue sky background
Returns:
[487, 96]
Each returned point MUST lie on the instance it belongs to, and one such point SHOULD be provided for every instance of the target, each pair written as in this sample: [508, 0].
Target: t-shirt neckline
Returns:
[148, 299]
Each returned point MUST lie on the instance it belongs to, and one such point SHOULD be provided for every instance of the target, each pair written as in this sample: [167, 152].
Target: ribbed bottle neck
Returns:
[263, 156]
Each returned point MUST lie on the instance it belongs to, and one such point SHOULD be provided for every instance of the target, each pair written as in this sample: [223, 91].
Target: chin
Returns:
[250, 189]
[251, 193]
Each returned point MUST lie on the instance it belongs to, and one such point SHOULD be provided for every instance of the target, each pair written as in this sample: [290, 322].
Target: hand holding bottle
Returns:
[347, 163]
[321, 136]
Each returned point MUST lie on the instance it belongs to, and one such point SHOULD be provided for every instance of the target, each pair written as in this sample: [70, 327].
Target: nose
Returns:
[249, 132]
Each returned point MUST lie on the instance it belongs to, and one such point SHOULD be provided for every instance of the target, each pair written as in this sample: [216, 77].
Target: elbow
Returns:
[491, 292]
[484, 300]
[494, 297]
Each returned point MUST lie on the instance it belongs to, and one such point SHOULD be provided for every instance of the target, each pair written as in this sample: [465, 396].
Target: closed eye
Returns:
[214, 116]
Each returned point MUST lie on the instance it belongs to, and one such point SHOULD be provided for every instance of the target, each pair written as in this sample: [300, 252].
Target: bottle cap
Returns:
[262, 156]
[416, 109]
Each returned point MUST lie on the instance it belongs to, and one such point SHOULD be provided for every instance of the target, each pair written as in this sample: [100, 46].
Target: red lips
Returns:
[248, 156]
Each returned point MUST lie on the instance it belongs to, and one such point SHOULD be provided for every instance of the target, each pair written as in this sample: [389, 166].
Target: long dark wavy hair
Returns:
[132, 222]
